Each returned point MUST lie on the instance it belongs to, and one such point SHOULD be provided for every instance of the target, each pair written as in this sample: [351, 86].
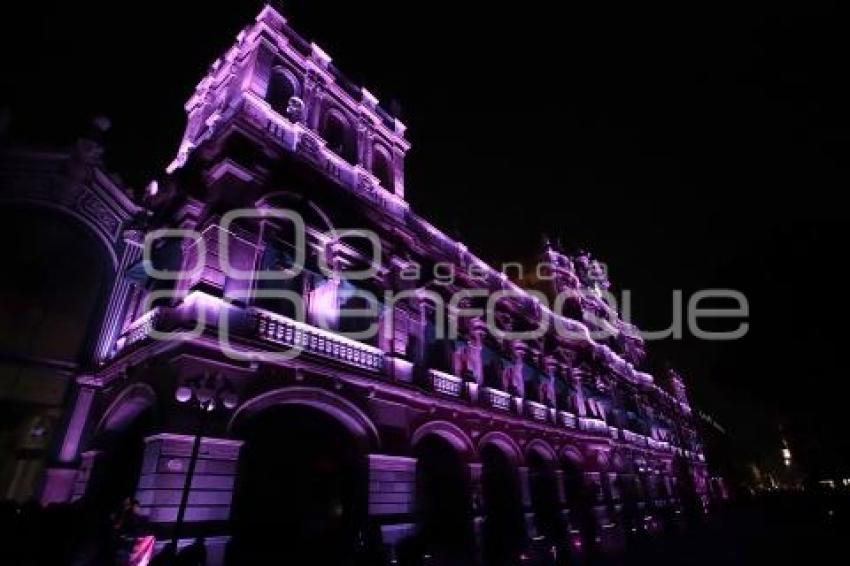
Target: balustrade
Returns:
[596, 426]
[282, 330]
[139, 330]
[537, 411]
[445, 383]
[496, 399]
[278, 329]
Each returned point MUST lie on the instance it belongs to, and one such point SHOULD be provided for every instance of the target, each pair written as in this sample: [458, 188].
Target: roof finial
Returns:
[272, 14]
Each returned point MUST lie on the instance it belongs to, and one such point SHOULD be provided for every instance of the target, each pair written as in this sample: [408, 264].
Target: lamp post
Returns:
[206, 394]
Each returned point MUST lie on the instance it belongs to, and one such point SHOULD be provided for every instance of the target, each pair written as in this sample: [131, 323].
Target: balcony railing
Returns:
[496, 399]
[537, 411]
[633, 438]
[567, 419]
[657, 444]
[445, 383]
[138, 330]
[285, 331]
[596, 426]
[279, 329]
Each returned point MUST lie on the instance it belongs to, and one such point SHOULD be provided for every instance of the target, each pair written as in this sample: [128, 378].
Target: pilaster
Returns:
[163, 476]
[392, 492]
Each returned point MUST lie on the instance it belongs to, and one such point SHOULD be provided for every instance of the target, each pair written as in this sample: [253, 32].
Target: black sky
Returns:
[689, 147]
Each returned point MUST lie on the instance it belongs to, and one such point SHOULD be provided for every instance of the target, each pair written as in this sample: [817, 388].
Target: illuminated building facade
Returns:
[403, 441]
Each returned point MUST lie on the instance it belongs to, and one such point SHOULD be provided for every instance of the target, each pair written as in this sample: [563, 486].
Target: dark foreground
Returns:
[775, 529]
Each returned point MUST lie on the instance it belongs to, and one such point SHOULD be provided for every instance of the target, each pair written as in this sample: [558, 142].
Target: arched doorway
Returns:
[382, 168]
[543, 482]
[504, 533]
[337, 131]
[301, 493]
[443, 503]
[687, 490]
[646, 485]
[630, 496]
[120, 447]
[580, 503]
[282, 87]
[56, 278]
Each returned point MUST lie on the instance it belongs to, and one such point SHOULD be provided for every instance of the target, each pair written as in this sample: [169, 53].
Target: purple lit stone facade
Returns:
[275, 124]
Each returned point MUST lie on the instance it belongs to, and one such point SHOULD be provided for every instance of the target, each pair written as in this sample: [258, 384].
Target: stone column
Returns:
[365, 141]
[117, 303]
[525, 493]
[524, 485]
[392, 491]
[578, 393]
[398, 169]
[60, 479]
[163, 476]
[593, 481]
[256, 78]
[81, 481]
[561, 490]
[477, 497]
[313, 98]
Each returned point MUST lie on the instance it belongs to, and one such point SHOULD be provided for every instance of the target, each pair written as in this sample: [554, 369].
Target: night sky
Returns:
[688, 147]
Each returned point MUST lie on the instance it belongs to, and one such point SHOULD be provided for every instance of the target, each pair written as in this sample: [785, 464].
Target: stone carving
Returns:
[365, 183]
[467, 363]
[94, 208]
[513, 381]
[546, 391]
[310, 147]
[592, 273]
[295, 110]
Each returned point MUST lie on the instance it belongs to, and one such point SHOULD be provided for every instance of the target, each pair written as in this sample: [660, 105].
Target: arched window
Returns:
[339, 135]
[382, 168]
[282, 87]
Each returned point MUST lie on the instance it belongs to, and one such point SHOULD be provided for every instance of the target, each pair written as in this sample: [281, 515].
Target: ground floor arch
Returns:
[545, 500]
[444, 528]
[118, 447]
[58, 271]
[346, 413]
[504, 532]
[630, 495]
[301, 491]
[580, 502]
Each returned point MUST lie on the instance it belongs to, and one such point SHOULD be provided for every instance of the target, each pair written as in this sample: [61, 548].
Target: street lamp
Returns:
[206, 394]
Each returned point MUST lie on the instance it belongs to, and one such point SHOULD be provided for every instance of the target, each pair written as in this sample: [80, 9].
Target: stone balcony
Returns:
[444, 383]
[634, 438]
[567, 419]
[537, 411]
[297, 335]
[496, 399]
[597, 426]
[299, 338]
[138, 331]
